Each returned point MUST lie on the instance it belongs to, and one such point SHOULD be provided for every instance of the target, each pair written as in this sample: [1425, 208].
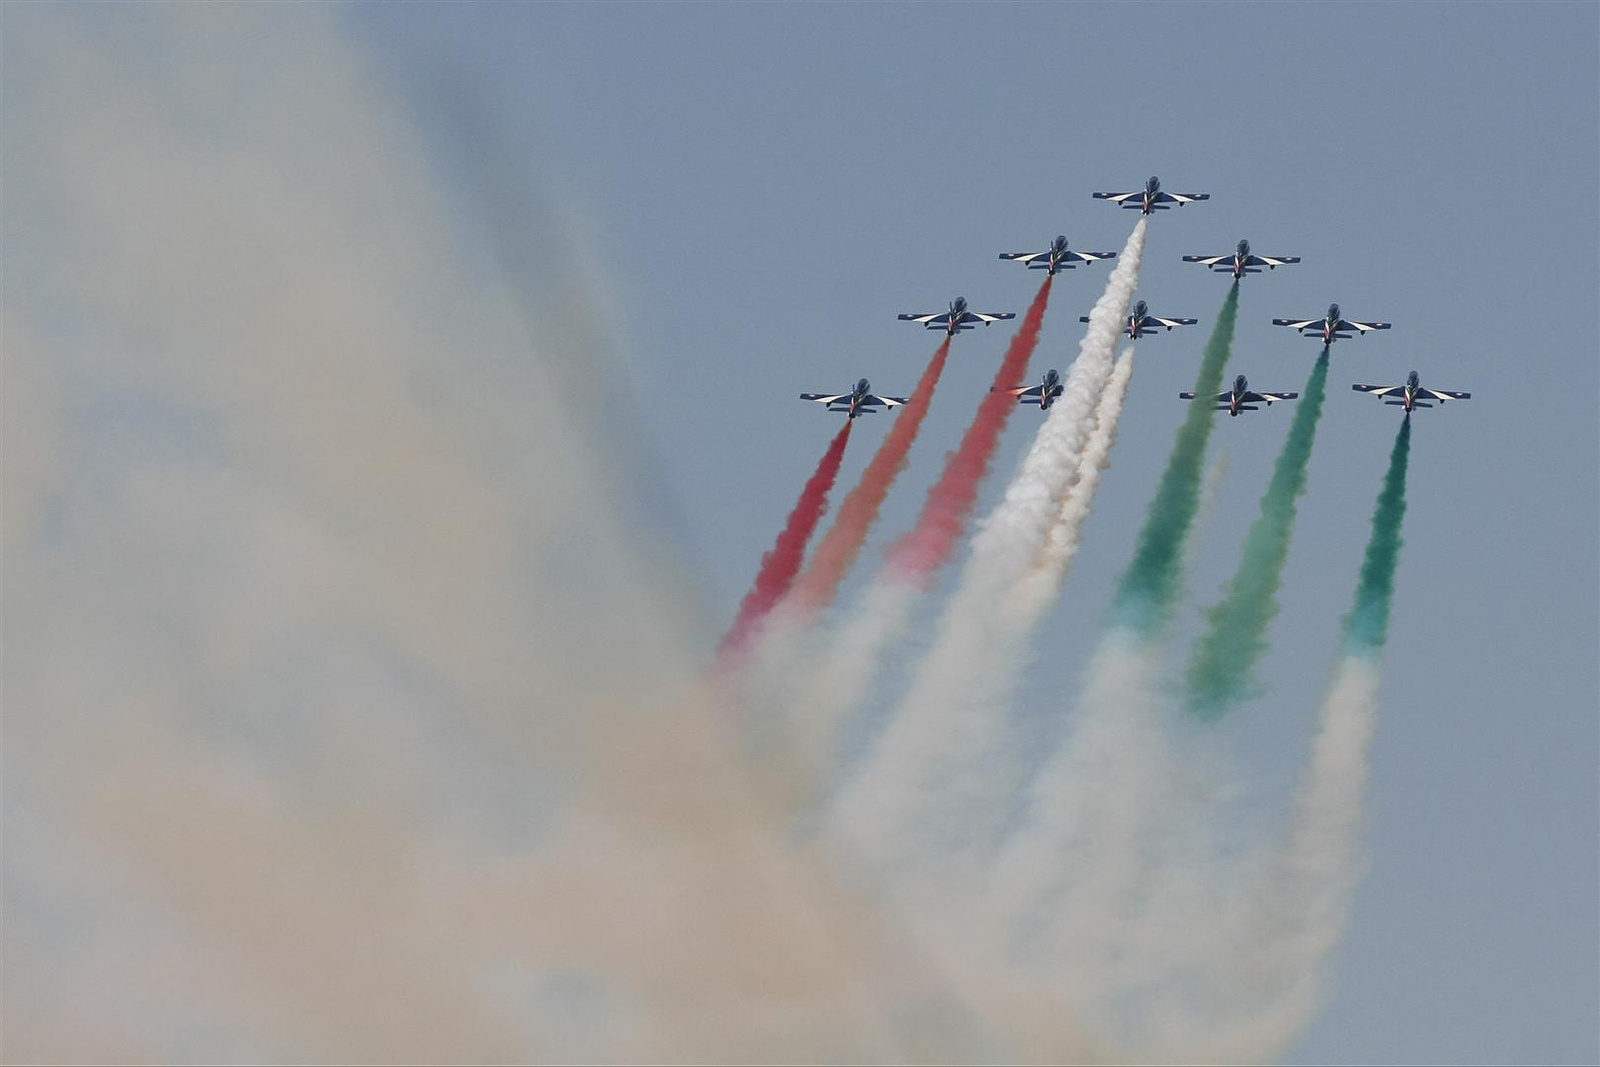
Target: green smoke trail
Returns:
[1150, 585]
[1367, 626]
[1221, 672]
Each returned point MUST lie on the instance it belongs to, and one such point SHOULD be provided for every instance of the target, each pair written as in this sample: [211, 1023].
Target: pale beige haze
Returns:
[349, 710]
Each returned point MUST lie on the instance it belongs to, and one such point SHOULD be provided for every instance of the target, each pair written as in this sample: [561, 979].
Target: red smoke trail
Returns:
[944, 516]
[816, 587]
[779, 566]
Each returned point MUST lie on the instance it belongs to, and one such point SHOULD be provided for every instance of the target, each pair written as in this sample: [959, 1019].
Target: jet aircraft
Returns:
[958, 318]
[1411, 395]
[1142, 324]
[1151, 198]
[1333, 328]
[1242, 262]
[1240, 398]
[1057, 258]
[858, 401]
[1043, 394]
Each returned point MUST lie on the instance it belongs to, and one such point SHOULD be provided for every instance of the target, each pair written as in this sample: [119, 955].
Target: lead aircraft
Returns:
[1242, 262]
[1240, 398]
[1142, 324]
[1056, 258]
[1411, 395]
[1332, 327]
[1043, 394]
[858, 401]
[958, 318]
[1151, 198]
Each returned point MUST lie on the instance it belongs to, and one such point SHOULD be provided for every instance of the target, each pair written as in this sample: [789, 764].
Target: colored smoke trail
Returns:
[817, 586]
[1367, 625]
[944, 514]
[851, 657]
[780, 564]
[939, 781]
[1151, 583]
[1221, 672]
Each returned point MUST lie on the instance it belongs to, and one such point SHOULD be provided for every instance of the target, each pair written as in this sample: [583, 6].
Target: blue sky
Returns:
[771, 184]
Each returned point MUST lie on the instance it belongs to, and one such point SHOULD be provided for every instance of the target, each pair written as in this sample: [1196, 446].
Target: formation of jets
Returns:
[1141, 323]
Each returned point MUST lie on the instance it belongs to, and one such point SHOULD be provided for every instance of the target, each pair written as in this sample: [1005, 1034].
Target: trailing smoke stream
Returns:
[1367, 625]
[782, 562]
[1321, 864]
[920, 553]
[850, 659]
[816, 587]
[1221, 672]
[1039, 588]
[1152, 581]
[938, 783]
[1116, 881]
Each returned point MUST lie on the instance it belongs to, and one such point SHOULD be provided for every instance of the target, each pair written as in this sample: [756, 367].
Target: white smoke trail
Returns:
[1126, 890]
[1038, 589]
[928, 785]
[1301, 917]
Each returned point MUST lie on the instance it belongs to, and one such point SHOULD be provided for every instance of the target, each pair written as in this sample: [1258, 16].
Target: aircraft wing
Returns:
[1180, 199]
[1032, 259]
[1270, 261]
[824, 398]
[1379, 390]
[1088, 257]
[873, 401]
[1267, 398]
[986, 317]
[1442, 395]
[1133, 199]
[1170, 323]
[936, 320]
[1363, 327]
[1214, 262]
[1222, 398]
[1300, 324]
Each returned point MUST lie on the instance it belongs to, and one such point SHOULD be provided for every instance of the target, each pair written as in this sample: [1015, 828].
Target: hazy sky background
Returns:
[771, 185]
[742, 198]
